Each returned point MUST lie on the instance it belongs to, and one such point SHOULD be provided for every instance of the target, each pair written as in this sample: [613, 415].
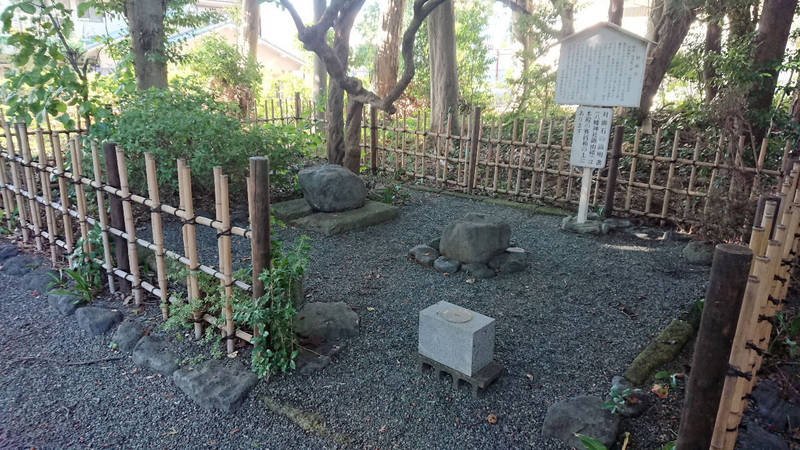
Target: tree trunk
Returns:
[713, 47]
[146, 23]
[444, 74]
[352, 140]
[320, 80]
[386, 62]
[773, 33]
[248, 33]
[566, 12]
[653, 19]
[615, 10]
[671, 31]
[740, 22]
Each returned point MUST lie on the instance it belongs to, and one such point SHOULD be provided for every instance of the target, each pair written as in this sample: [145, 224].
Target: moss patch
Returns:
[663, 349]
[309, 422]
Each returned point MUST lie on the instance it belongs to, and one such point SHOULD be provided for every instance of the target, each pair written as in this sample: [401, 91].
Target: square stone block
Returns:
[456, 337]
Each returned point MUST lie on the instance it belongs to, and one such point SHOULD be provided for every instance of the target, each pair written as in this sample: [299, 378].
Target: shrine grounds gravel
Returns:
[565, 326]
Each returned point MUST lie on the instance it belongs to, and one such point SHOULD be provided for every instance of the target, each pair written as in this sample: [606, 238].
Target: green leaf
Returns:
[590, 443]
[27, 7]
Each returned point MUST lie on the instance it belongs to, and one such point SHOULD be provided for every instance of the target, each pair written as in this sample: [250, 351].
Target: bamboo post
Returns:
[8, 202]
[373, 140]
[80, 195]
[521, 156]
[499, 136]
[712, 178]
[510, 158]
[21, 214]
[103, 215]
[724, 294]
[759, 166]
[424, 143]
[130, 228]
[259, 223]
[297, 109]
[30, 183]
[692, 178]
[158, 232]
[64, 197]
[417, 133]
[670, 174]
[652, 179]
[535, 164]
[221, 203]
[473, 147]
[190, 241]
[613, 168]
[583, 205]
[632, 174]
[546, 161]
[44, 180]
[117, 215]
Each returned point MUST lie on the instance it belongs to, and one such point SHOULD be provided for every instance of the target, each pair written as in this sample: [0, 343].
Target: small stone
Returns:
[617, 224]
[64, 304]
[446, 265]
[329, 321]
[8, 251]
[620, 383]
[570, 223]
[39, 281]
[434, 243]
[698, 252]
[150, 353]
[127, 335]
[332, 188]
[214, 386]
[423, 255]
[478, 270]
[672, 235]
[584, 415]
[515, 250]
[96, 320]
[509, 262]
[20, 265]
[475, 239]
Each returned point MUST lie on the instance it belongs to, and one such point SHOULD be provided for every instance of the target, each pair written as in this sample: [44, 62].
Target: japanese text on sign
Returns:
[590, 138]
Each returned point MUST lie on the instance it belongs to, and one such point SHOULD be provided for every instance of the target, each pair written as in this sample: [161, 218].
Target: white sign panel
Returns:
[590, 137]
[601, 67]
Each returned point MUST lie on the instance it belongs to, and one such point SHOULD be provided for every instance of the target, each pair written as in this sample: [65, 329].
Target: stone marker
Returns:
[37, 281]
[213, 385]
[584, 415]
[456, 337]
[150, 353]
[474, 239]
[64, 304]
[332, 188]
[96, 320]
[329, 321]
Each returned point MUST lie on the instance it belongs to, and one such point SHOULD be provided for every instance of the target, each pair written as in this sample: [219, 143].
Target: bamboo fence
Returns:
[57, 204]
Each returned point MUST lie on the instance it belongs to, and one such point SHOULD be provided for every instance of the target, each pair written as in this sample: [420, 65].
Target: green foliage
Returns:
[617, 400]
[672, 377]
[84, 276]
[393, 194]
[590, 443]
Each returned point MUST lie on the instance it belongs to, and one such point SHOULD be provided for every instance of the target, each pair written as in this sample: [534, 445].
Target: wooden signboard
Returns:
[590, 137]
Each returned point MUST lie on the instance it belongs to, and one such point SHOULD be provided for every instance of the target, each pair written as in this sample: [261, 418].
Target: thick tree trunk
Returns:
[713, 47]
[386, 62]
[615, 10]
[320, 80]
[146, 23]
[250, 28]
[773, 33]
[653, 19]
[444, 72]
[566, 12]
[671, 31]
[352, 140]
[740, 22]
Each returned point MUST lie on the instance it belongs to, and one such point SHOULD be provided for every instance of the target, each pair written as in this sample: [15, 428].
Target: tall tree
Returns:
[386, 61]
[566, 12]
[249, 29]
[146, 23]
[320, 80]
[711, 48]
[444, 67]
[615, 10]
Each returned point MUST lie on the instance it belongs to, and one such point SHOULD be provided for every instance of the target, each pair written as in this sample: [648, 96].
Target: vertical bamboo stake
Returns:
[653, 164]
[116, 216]
[713, 176]
[373, 140]
[632, 174]
[521, 151]
[259, 224]
[224, 250]
[30, 183]
[670, 174]
[21, 214]
[546, 162]
[130, 228]
[282, 116]
[103, 216]
[63, 195]
[44, 180]
[8, 202]
[80, 194]
[759, 165]
[561, 152]
[499, 136]
[692, 178]
[437, 149]
[535, 164]
[424, 143]
[474, 143]
[298, 105]
[190, 241]
[446, 149]
[158, 232]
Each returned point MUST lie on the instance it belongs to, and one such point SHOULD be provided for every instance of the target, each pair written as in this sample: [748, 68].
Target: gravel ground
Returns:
[561, 332]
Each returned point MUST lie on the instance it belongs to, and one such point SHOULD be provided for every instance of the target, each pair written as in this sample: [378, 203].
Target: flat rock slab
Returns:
[127, 335]
[591, 226]
[38, 281]
[328, 321]
[446, 265]
[151, 353]
[372, 213]
[8, 251]
[215, 386]
[64, 304]
[20, 265]
[423, 255]
[291, 209]
[97, 321]
[310, 360]
[584, 415]
[661, 350]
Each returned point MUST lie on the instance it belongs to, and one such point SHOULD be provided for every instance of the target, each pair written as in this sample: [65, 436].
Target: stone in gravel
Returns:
[317, 358]
[753, 436]
[584, 415]
[636, 403]
[776, 412]
[672, 235]
[570, 223]
[151, 353]
[509, 262]
[698, 252]
[127, 335]
[213, 385]
[446, 265]
[329, 321]
[434, 243]
[456, 337]
[617, 224]
[64, 304]
[332, 188]
[8, 251]
[661, 350]
[372, 213]
[475, 239]
[423, 255]
[21, 264]
[38, 281]
[290, 210]
[96, 320]
[478, 270]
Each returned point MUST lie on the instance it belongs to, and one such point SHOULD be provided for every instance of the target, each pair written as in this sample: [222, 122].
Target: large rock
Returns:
[584, 415]
[152, 353]
[329, 321]
[332, 188]
[213, 385]
[474, 239]
[65, 304]
[699, 252]
[96, 320]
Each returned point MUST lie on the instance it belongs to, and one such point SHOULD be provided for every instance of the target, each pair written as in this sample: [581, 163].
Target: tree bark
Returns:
[615, 10]
[146, 24]
[444, 72]
[320, 80]
[566, 12]
[713, 47]
[249, 28]
[773, 33]
[352, 156]
[671, 31]
[653, 19]
[386, 62]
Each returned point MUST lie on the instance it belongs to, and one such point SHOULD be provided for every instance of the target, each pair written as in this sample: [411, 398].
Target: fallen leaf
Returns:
[234, 431]
[471, 280]
[382, 429]
[660, 390]
[171, 432]
[492, 419]
[370, 308]
[233, 354]
[530, 376]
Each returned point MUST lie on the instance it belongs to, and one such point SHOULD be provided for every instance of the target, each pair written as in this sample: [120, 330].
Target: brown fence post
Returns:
[373, 139]
[613, 168]
[259, 223]
[474, 139]
[297, 108]
[117, 214]
[729, 274]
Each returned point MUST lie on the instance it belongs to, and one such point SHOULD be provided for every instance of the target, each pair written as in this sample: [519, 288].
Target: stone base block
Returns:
[215, 386]
[479, 381]
[456, 337]
[290, 210]
[372, 213]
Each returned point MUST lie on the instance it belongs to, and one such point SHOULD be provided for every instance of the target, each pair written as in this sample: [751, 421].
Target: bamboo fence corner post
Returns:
[474, 143]
[221, 203]
[130, 228]
[724, 294]
[117, 215]
[373, 139]
[259, 224]
[30, 183]
[613, 168]
[158, 232]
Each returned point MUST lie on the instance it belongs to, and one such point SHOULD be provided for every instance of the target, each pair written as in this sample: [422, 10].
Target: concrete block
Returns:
[456, 337]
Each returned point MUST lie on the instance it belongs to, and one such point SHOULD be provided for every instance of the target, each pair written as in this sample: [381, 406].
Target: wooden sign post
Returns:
[599, 67]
